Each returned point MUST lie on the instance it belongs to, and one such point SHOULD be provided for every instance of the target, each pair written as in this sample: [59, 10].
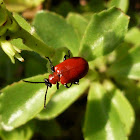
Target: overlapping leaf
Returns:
[56, 32]
[78, 22]
[105, 113]
[128, 66]
[122, 4]
[104, 33]
[21, 101]
[62, 99]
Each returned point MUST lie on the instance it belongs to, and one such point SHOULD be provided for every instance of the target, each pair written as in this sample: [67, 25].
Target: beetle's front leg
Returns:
[57, 85]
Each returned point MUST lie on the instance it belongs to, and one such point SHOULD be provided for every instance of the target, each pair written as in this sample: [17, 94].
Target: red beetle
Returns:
[69, 71]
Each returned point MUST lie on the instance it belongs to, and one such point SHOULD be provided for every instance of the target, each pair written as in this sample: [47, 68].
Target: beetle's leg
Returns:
[52, 67]
[67, 85]
[65, 57]
[57, 85]
[76, 82]
[45, 97]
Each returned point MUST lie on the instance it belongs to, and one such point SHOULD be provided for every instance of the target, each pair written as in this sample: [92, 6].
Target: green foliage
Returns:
[122, 4]
[103, 119]
[49, 25]
[62, 99]
[128, 66]
[104, 33]
[104, 105]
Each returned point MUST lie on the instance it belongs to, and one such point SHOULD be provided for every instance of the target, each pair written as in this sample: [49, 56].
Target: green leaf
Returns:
[26, 26]
[133, 36]
[21, 101]
[102, 120]
[23, 133]
[22, 22]
[122, 106]
[56, 32]
[125, 111]
[30, 40]
[78, 22]
[62, 99]
[104, 33]
[128, 66]
[88, 15]
[122, 4]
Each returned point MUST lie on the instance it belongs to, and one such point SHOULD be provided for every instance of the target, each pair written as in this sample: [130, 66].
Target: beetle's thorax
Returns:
[54, 78]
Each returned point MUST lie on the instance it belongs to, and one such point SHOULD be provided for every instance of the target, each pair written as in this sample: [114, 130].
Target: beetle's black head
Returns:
[47, 83]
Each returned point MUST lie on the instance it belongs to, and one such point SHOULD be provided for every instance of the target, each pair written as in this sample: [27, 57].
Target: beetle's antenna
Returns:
[65, 57]
[32, 82]
[51, 65]
[49, 60]
[45, 97]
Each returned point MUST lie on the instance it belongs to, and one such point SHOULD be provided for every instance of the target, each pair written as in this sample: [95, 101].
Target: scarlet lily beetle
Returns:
[68, 71]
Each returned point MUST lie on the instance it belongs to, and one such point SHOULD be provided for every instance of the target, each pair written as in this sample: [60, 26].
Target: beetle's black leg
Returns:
[65, 57]
[45, 97]
[57, 85]
[67, 85]
[51, 65]
[47, 83]
[76, 82]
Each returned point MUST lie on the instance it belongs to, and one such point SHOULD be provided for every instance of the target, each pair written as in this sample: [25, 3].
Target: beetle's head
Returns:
[54, 78]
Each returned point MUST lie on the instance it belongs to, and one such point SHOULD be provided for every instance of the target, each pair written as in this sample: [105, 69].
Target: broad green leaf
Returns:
[122, 4]
[56, 32]
[133, 36]
[128, 66]
[22, 22]
[21, 101]
[122, 106]
[24, 132]
[62, 99]
[78, 22]
[102, 121]
[125, 111]
[26, 26]
[30, 40]
[104, 33]
[88, 15]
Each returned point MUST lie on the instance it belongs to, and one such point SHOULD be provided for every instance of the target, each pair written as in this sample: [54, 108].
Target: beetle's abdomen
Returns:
[72, 69]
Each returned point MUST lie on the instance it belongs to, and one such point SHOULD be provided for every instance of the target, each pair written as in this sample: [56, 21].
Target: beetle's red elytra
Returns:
[68, 71]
